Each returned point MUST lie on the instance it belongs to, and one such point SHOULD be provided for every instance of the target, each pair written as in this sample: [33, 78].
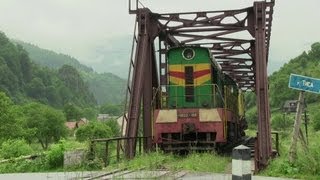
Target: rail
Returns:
[113, 147]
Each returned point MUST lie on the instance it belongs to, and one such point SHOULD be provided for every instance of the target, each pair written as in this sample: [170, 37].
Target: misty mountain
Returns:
[110, 55]
[106, 87]
[50, 58]
[24, 81]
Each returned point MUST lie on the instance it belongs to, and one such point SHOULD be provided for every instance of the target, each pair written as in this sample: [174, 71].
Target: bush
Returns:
[252, 117]
[316, 121]
[93, 130]
[306, 166]
[15, 148]
[114, 126]
[281, 121]
[55, 155]
[21, 166]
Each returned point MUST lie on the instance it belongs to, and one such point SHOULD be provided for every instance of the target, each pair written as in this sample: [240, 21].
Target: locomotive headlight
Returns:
[188, 54]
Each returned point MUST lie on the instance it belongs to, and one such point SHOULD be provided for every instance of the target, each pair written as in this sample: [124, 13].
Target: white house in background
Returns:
[103, 117]
[119, 120]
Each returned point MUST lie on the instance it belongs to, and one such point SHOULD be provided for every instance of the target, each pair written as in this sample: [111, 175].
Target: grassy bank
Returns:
[204, 162]
[307, 164]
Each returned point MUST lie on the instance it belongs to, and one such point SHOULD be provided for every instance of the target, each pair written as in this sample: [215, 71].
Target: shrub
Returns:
[316, 121]
[55, 155]
[21, 166]
[15, 148]
[281, 121]
[93, 130]
[252, 117]
[114, 126]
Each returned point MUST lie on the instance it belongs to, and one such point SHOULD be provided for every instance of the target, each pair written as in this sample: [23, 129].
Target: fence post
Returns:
[118, 150]
[139, 138]
[241, 163]
[91, 153]
[107, 152]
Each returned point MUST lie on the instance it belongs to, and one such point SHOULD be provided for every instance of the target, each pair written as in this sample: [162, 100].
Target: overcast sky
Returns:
[75, 26]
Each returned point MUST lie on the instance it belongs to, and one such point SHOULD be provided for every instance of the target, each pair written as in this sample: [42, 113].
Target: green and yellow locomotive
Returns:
[201, 108]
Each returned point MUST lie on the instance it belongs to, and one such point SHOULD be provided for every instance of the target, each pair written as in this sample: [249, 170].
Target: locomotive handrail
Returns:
[164, 96]
[228, 99]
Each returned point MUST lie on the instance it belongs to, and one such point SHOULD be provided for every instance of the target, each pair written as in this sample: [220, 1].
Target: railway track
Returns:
[136, 174]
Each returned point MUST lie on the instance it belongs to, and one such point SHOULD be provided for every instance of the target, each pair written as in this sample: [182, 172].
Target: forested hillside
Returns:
[308, 64]
[51, 59]
[106, 87]
[25, 81]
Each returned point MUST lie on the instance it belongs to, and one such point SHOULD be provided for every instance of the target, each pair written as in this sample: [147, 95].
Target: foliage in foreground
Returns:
[200, 162]
[93, 130]
[50, 160]
[15, 148]
[307, 165]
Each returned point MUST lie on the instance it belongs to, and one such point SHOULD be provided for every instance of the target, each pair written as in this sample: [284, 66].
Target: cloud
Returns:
[77, 27]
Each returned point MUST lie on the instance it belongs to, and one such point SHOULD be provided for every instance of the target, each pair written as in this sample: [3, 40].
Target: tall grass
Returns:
[307, 164]
[201, 162]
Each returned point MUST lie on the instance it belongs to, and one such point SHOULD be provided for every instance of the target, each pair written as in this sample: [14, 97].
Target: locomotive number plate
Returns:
[188, 115]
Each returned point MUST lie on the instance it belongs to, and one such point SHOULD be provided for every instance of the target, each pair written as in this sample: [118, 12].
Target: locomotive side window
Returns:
[189, 83]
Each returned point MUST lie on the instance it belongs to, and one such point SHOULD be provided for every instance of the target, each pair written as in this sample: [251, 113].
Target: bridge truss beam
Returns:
[238, 39]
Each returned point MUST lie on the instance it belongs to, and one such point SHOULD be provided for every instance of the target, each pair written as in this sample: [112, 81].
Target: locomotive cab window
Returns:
[189, 83]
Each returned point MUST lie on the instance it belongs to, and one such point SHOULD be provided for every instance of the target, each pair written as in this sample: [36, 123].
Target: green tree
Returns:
[25, 64]
[8, 81]
[72, 80]
[72, 112]
[36, 89]
[114, 110]
[10, 128]
[90, 113]
[47, 123]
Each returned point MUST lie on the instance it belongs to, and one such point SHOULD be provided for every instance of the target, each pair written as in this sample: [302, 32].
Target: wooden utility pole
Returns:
[297, 133]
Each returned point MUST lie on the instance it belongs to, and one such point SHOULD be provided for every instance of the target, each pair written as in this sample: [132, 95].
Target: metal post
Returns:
[147, 99]
[264, 136]
[241, 163]
[137, 83]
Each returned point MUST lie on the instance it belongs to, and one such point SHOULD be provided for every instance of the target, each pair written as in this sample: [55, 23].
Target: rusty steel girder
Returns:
[238, 39]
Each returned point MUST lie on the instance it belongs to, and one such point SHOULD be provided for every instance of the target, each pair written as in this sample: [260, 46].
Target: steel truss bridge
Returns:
[238, 39]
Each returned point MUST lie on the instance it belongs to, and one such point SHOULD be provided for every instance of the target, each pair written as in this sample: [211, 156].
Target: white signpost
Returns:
[302, 83]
